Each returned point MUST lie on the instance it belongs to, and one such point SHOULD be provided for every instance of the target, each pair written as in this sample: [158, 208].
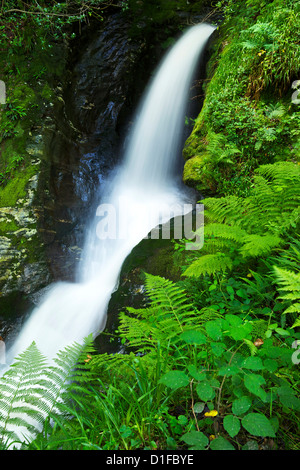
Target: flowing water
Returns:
[137, 198]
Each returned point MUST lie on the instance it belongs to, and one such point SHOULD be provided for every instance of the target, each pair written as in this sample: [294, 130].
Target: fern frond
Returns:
[168, 299]
[139, 334]
[223, 210]
[258, 245]
[209, 264]
[274, 198]
[228, 232]
[31, 389]
[289, 282]
[169, 314]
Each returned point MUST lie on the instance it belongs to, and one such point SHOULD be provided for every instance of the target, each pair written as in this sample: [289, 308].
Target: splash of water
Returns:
[143, 185]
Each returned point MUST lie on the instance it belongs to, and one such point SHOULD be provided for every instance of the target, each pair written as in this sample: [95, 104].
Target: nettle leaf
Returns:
[205, 391]
[233, 320]
[175, 379]
[196, 439]
[288, 398]
[193, 337]
[217, 348]
[241, 405]
[232, 425]
[229, 370]
[253, 363]
[239, 332]
[197, 373]
[270, 365]
[258, 425]
[221, 444]
[213, 329]
[253, 383]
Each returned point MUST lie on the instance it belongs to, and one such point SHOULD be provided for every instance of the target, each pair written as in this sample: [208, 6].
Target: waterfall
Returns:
[138, 198]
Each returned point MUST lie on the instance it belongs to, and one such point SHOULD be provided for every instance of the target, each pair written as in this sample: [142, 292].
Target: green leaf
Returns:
[241, 293]
[193, 337]
[217, 348]
[125, 431]
[213, 329]
[241, 405]
[196, 439]
[229, 370]
[253, 363]
[175, 379]
[287, 398]
[205, 391]
[233, 320]
[230, 290]
[274, 423]
[196, 373]
[282, 332]
[182, 420]
[270, 365]
[258, 425]
[199, 407]
[171, 443]
[253, 383]
[238, 333]
[232, 425]
[221, 444]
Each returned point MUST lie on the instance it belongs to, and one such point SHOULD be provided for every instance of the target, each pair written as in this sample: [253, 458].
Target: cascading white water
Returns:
[139, 195]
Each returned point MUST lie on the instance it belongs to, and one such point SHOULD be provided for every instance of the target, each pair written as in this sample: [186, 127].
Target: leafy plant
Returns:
[251, 227]
[289, 282]
[31, 391]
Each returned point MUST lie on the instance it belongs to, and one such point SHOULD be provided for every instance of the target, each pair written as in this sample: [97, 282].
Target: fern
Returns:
[164, 320]
[289, 283]
[209, 264]
[160, 324]
[241, 228]
[31, 390]
[258, 245]
[219, 150]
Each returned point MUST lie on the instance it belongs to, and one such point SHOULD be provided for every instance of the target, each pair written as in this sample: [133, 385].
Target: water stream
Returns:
[138, 198]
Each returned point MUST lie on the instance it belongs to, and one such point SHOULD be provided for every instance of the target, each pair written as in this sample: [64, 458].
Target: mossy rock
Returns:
[192, 170]
[16, 188]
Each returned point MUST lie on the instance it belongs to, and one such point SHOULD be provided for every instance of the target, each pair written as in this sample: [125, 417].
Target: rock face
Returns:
[84, 137]
[23, 267]
[71, 151]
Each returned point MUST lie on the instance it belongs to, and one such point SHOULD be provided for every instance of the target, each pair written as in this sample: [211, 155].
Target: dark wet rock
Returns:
[84, 137]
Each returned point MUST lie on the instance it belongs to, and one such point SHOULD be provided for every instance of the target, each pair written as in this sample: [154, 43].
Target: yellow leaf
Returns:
[211, 413]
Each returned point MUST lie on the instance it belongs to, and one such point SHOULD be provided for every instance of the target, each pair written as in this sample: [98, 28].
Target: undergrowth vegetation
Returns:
[210, 361]
[248, 117]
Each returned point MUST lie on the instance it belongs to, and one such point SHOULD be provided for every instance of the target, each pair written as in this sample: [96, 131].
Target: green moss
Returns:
[16, 187]
[192, 170]
[8, 226]
[248, 100]
[47, 92]
[24, 94]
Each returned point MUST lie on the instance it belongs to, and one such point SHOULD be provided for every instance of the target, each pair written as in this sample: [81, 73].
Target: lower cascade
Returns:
[140, 196]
